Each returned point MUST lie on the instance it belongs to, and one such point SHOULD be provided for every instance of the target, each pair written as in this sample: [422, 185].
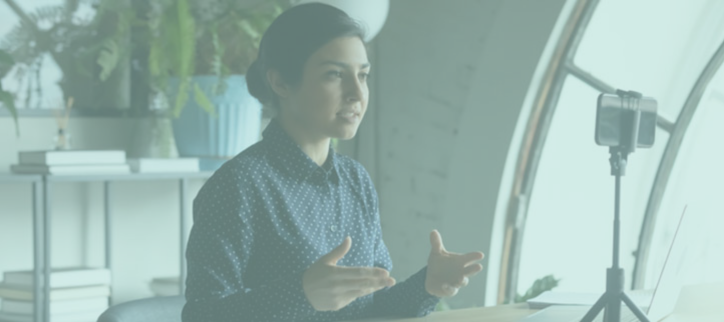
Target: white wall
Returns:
[450, 78]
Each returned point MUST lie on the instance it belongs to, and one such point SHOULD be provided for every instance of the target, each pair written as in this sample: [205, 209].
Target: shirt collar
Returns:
[290, 158]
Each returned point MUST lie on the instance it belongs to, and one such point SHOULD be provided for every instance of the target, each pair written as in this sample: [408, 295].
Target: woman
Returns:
[289, 230]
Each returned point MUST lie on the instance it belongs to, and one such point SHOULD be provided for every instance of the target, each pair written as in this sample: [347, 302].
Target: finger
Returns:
[354, 294]
[337, 253]
[472, 269]
[361, 272]
[449, 290]
[463, 282]
[368, 284]
[357, 293]
[436, 241]
[472, 257]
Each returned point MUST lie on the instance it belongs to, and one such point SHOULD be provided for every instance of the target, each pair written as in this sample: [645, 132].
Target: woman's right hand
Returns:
[329, 287]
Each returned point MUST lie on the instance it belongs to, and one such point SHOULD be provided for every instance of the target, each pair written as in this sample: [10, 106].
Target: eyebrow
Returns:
[343, 65]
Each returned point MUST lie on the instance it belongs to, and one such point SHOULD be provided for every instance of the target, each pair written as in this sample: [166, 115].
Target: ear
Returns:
[277, 83]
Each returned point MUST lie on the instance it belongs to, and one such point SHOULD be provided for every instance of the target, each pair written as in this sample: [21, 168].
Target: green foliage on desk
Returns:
[442, 306]
[541, 285]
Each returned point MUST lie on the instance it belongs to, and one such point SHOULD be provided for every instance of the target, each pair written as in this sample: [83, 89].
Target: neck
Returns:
[314, 146]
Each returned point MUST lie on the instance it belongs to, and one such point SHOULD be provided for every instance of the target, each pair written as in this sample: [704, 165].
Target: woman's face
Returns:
[331, 99]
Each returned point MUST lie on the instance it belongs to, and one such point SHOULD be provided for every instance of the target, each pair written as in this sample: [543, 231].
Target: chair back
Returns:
[154, 309]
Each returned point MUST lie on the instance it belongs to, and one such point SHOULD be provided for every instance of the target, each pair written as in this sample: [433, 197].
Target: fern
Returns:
[182, 95]
[172, 52]
[108, 58]
[217, 63]
[89, 49]
[6, 63]
[180, 48]
[248, 29]
[203, 101]
[47, 15]
[7, 98]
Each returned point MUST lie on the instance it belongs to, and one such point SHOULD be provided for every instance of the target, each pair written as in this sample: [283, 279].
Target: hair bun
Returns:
[257, 84]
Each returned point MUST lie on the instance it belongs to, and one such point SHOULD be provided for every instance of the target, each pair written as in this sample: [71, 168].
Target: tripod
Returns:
[614, 295]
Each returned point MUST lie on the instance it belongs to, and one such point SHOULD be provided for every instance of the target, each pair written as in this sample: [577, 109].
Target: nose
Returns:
[355, 90]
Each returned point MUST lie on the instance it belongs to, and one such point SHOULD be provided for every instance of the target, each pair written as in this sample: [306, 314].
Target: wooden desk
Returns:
[502, 313]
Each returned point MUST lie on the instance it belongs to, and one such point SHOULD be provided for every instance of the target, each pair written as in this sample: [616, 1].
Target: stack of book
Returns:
[78, 294]
[165, 286]
[71, 162]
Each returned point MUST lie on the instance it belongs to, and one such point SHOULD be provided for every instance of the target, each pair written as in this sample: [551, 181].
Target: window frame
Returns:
[538, 124]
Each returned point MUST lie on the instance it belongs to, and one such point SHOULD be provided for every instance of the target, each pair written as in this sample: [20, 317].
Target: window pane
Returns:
[658, 48]
[569, 227]
[696, 181]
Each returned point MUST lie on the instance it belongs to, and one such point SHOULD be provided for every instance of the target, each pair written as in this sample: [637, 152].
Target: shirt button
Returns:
[333, 228]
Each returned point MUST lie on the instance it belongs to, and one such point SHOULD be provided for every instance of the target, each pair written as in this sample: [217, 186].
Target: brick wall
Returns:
[449, 81]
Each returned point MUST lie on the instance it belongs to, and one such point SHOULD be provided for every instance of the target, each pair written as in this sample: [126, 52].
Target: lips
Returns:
[348, 113]
[349, 116]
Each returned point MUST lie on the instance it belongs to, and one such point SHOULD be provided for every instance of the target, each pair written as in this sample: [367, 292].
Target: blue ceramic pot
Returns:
[214, 140]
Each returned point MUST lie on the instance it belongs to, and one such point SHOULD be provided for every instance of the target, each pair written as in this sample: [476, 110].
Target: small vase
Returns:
[61, 140]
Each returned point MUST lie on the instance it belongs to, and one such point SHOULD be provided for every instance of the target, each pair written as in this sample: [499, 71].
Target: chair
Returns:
[154, 309]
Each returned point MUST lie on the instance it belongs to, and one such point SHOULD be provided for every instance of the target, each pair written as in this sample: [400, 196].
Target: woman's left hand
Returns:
[448, 272]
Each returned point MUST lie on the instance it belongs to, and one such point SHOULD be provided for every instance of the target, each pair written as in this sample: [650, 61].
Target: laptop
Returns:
[664, 297]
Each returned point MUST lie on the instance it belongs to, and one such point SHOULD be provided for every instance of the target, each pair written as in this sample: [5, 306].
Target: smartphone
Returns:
[617, 118]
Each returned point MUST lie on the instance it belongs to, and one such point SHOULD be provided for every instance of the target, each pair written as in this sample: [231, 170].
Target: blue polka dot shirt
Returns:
[267, 215]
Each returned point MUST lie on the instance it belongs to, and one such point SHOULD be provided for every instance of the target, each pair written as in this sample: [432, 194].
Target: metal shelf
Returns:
[42, 193]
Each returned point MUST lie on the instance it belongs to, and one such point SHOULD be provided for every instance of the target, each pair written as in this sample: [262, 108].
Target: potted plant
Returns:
[6, 98]
[91, 51]
[199, 52]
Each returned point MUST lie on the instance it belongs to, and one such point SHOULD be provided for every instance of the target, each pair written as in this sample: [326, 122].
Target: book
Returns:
[165, 286]
[62, 277]
[164, 165]
[83, 316]
[72, 157]
[56, 307]
[15, 292]
[71, 169]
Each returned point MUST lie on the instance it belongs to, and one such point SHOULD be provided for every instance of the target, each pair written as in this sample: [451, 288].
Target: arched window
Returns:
[560, 216]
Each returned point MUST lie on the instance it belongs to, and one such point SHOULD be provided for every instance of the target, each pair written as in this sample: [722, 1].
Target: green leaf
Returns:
[248, 29]
[6, 60]
[541, 285]
[203, 100]
[9, 102]
[185, 39]
[154, 59]
[181, 96]
[108, 58]
[442, 306]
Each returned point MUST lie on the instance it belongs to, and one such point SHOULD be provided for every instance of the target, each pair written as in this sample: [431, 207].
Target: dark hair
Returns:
[289, 42]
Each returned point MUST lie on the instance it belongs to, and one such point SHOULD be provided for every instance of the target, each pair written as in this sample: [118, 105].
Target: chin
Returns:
[346, 133]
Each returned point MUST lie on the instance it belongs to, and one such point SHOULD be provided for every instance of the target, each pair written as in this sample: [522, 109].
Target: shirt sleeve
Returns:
[406, 299]
[219, 249]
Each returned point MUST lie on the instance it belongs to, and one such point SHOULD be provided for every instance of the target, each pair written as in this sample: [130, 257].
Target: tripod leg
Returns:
[596, 308]
[634, 308]
[612, 312]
